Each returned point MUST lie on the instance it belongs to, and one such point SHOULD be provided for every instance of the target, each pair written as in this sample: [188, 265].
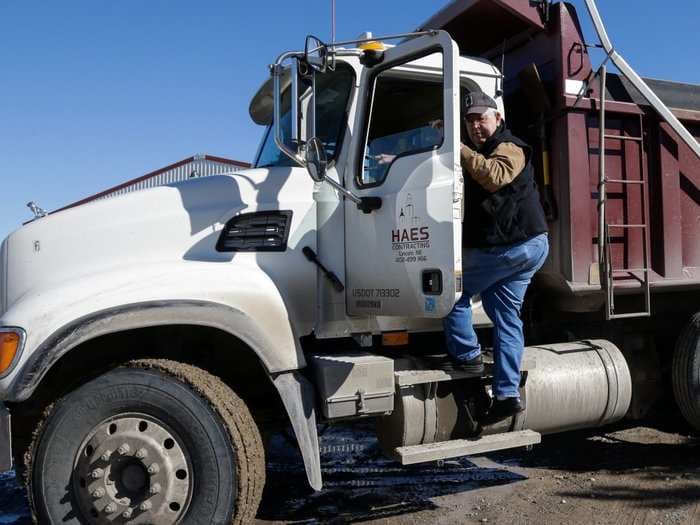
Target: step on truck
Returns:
[149, 341]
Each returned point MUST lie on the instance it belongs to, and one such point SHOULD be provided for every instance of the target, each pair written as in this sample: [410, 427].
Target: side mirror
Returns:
[316, 160]
[316, 54]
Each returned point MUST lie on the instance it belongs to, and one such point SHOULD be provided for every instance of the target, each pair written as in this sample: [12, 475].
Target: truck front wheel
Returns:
[686, 372]
[156, 442]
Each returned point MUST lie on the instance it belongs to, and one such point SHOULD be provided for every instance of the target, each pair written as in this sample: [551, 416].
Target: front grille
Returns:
[262, 231]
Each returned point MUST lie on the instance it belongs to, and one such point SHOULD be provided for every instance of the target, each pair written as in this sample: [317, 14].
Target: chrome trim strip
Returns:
[5, 439]
[4, 271]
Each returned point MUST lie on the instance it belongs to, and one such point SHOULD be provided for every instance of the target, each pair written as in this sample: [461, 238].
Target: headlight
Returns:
[11, 344]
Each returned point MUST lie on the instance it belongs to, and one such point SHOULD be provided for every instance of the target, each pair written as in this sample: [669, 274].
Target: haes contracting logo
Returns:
[410, 237]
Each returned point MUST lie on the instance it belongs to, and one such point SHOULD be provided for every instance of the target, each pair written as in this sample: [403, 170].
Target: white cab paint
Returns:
[159, 245]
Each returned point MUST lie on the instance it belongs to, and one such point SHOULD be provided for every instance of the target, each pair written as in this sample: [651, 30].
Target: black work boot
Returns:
[502, 409]
[472, 367]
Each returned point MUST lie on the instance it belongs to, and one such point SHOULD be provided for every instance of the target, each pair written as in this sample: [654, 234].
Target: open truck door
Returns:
[403, 250]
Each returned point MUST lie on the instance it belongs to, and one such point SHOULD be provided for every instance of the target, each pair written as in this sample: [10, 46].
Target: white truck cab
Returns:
[397, 148]
[400, 263]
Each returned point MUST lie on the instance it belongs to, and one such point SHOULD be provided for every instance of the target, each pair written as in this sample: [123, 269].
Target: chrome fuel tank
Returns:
[567, 386]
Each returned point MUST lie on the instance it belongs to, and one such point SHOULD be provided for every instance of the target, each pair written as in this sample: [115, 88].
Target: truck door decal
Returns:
[410, 239]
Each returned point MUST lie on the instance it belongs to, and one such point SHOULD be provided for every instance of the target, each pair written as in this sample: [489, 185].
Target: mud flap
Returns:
[476, 405]
[298, 396]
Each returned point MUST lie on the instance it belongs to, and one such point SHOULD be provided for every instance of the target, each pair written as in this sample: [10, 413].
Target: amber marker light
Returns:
[9, 346]
[372, 45]
[372, 53]
[395, 338]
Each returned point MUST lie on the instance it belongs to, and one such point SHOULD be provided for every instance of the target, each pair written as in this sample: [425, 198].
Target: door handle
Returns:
[369, 204]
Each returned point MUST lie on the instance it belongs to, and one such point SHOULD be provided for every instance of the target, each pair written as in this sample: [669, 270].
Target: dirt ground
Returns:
[627, 474]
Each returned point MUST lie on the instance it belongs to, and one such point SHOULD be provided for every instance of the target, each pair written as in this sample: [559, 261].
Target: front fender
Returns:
[237, 298]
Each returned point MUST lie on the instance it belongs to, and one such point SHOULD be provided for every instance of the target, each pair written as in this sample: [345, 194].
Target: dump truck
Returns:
[149, 342]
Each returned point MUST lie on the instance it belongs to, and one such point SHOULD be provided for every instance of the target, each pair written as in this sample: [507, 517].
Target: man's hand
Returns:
[383, 158]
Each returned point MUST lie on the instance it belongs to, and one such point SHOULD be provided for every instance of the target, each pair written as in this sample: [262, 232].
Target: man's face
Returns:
[481, 127]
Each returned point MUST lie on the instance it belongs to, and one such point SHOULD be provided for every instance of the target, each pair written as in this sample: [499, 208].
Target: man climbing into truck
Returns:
[139, 372]
[505, 243]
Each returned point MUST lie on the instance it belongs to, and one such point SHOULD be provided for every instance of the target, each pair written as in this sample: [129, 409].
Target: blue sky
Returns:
[95, 92]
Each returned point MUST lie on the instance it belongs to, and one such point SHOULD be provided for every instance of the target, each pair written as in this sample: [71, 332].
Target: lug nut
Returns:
[146, 505]
[111, 508]
[97, 473]
[153, 468]
[155, 489]
[141, 453]
[107, 454]
[98, 493]
[124, 449]
[127, 514]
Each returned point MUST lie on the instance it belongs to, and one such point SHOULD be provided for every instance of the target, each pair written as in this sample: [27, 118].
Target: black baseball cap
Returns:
[478, 103]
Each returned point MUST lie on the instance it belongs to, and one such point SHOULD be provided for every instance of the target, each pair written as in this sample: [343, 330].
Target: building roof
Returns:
[235, 164]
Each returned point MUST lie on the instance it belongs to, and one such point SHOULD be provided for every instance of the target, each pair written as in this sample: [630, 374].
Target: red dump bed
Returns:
[518, 34]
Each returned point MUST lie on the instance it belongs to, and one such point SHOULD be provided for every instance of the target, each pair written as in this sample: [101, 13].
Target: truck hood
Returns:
[176, 222]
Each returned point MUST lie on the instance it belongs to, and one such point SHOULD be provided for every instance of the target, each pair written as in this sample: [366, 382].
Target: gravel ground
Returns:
[622, 475]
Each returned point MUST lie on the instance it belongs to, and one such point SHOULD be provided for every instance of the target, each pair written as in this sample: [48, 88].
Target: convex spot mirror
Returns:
[316, 160]
[316, 54]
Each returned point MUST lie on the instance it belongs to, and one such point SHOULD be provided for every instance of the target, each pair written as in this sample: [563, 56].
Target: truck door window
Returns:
[405, 119]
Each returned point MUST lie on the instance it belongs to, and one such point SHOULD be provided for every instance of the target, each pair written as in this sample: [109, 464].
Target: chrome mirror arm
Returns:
[345, 192]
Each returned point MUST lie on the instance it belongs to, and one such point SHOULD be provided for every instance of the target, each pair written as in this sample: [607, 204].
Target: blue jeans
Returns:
[501, 275]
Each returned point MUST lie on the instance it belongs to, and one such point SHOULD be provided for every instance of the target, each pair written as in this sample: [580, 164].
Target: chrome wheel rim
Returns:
[133, 468]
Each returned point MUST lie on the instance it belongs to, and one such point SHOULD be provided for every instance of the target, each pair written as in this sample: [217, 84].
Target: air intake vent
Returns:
[262, 231]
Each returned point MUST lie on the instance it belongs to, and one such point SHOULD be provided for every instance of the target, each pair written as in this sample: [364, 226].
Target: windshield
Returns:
[332, 95]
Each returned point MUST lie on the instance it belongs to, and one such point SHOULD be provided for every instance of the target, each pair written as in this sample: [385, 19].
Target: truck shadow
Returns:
[658, 461]
[662, 442]
[359, 483]
[14, 509]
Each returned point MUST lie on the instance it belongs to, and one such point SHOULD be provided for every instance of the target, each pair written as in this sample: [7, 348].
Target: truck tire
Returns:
[155, 442]
[686, 372]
